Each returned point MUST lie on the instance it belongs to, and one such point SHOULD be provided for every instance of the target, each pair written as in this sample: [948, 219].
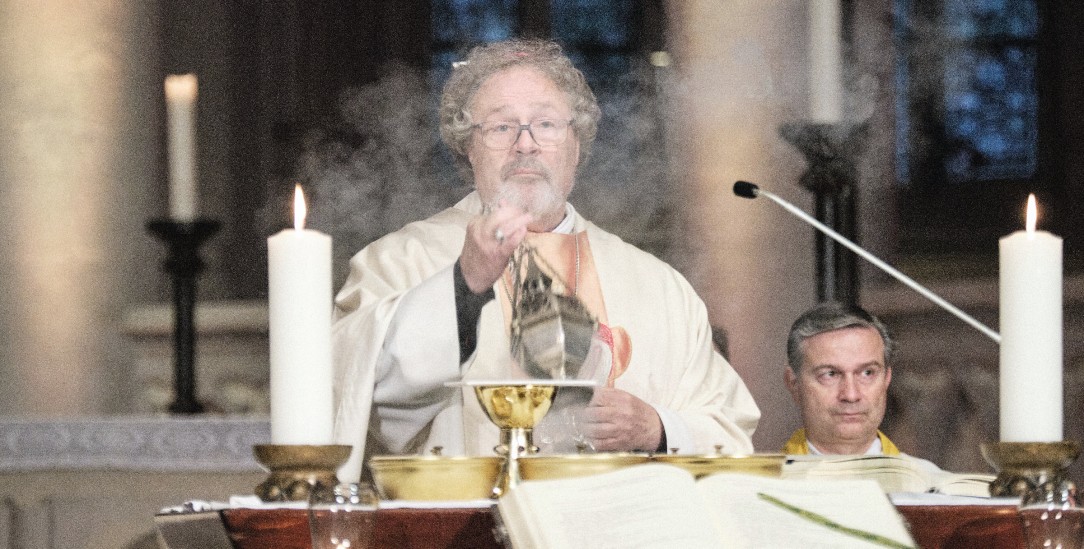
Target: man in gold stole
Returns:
[428, 304]
[838, 375]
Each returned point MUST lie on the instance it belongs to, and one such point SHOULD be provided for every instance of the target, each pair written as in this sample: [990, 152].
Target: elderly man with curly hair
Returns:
[430, 303]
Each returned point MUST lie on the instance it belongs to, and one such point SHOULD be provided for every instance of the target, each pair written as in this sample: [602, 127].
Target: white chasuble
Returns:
[396, 343]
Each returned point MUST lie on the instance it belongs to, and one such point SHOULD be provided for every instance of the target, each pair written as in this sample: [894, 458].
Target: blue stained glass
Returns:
[598, 22]
[597, 34]
[990, 74]
[966, 101]
[985, 19]
[990, 117]
[992, 7]
[1017, 101]
[1017, 125]
[472, 21]
[993, 144]
[1025, 23]
[989, 89]
[968, 126]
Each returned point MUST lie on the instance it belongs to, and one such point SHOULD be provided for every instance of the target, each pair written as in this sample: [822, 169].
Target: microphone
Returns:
[746, 189]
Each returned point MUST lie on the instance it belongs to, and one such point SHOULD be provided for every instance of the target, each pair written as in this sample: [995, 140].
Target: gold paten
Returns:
[297, 468]
[1035, 471]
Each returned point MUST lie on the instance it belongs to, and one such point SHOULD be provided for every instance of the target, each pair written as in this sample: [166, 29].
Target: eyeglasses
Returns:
[501, 135]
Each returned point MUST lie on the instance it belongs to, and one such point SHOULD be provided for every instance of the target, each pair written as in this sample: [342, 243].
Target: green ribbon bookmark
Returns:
[833, 525]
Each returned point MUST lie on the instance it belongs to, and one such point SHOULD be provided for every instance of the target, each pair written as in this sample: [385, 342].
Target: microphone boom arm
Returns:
[749, 190]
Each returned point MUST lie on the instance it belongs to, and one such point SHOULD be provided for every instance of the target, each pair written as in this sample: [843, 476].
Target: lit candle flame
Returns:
[1032, 214]
[181, 87]
[299, 208]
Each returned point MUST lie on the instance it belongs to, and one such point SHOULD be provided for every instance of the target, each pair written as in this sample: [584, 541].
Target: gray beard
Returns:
[539, 198]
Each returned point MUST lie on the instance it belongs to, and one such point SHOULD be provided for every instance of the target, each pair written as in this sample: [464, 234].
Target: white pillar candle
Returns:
[181, 122]
[299, 308]
[1031, 334]
[825, 61]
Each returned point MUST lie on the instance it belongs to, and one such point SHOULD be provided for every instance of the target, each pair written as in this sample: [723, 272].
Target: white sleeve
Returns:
[419, 354]
[676, 431]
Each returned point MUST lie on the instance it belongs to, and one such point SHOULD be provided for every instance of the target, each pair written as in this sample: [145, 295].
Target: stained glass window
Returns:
[459, 23]
[986, 56]
[593, 21]
[473, 20]
[599, 35]
[990, 98]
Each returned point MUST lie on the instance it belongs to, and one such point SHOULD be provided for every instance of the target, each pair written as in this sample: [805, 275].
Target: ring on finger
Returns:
[498, 234]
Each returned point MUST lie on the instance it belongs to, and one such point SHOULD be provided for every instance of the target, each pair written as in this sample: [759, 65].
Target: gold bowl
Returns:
[765, 465]
[434, 478]
[538, 467]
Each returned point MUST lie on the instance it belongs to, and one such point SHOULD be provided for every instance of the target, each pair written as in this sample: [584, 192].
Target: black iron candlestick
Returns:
[183, 239]
[832, 177]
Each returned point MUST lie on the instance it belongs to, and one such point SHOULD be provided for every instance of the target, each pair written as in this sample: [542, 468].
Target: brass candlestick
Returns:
[296, 469]
[1034, 471]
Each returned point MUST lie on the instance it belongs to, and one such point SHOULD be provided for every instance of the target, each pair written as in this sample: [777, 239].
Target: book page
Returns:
[931, 499]
[963, 484]
[648, 506]
[895, 474]
[892, 473]
[749, 521]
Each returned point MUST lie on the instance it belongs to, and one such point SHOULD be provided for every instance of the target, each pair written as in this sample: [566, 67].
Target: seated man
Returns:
[430, 303]
[840, 368]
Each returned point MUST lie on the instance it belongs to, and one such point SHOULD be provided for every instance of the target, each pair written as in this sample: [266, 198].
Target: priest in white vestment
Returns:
[429, 304]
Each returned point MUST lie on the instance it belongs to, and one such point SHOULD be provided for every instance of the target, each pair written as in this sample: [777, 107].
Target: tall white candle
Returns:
[825, 61]
[181, 92]
[299, 308]
[1031, 334]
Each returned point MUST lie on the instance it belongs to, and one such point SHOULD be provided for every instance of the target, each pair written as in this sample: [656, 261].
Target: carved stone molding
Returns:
[132, 443]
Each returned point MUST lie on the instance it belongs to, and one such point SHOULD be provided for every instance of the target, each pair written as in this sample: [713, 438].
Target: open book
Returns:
[662, 506]
[894, 474]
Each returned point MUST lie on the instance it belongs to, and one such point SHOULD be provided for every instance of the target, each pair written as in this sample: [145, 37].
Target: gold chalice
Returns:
[516, 407]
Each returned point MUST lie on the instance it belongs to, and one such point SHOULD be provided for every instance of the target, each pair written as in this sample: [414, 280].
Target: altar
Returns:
[933, 527]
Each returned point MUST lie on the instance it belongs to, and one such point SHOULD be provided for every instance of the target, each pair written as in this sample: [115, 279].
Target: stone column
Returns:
[80, 132]
[742, 74]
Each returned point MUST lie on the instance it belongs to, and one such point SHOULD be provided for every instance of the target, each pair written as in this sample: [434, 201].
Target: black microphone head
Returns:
[745, 189]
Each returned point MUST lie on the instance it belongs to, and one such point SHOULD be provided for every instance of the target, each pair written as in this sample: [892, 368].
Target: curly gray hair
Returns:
[830, 316]
[456, 125]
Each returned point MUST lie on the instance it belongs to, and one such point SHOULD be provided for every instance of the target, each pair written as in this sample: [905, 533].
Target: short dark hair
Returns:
[830, 316]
